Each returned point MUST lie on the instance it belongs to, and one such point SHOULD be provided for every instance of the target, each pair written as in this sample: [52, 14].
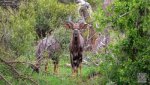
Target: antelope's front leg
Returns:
[80, 68]
[72, 65]
[80, 63]
[37, 64]
[55, 62]
[73, 72]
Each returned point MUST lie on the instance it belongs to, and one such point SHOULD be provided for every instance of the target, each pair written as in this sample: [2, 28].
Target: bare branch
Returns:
[2, 77]
[124, 14]
[18, 62]
[28, 78]
[11, 67]
[15, 72]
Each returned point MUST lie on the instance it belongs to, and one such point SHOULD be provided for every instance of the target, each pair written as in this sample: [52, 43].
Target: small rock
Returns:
[68, 65]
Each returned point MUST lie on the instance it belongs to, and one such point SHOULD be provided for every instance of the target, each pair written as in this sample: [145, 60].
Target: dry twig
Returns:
[2, 77]
[13, 69]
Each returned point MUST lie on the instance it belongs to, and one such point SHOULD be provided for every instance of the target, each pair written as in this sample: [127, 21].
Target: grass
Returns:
[62, 78]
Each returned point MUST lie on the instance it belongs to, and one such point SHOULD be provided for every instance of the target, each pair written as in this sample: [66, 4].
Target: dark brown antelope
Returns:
[76, 45]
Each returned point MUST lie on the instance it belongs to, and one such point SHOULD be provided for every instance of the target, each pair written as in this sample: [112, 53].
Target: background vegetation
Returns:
[130, 54]
[128, 51]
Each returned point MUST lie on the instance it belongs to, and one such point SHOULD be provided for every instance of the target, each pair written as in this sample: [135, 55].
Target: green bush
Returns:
[21, 23]
[130, 53]
[18, 36]
[95, 3]
[51, 14]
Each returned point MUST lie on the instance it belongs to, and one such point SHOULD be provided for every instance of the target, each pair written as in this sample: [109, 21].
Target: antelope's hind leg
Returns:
[55, 62]
[46, 66]
[55, 68]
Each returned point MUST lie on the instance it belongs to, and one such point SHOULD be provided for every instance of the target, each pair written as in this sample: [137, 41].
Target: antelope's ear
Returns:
[68, 25]
[83, 26]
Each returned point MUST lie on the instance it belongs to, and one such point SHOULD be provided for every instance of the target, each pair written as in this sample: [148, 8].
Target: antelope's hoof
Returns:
[55, 73]
[46, 71]
[35, 68]
[73, 75]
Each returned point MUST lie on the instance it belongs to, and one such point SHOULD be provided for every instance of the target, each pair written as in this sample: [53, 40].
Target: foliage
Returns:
[129, 18]
[94, 3]
[19, 27]
[51, 14]
[128, 53]
[17, 36]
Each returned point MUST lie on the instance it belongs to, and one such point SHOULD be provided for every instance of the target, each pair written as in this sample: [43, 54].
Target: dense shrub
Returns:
[18, 35]
[18, 26]
[95, 3]
[131, 54]
[51, 14]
